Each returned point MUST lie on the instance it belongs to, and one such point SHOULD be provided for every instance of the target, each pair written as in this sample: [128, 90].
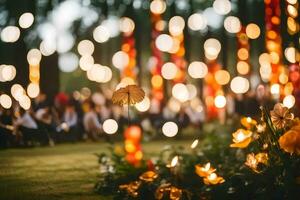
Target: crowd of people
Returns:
[70, 119]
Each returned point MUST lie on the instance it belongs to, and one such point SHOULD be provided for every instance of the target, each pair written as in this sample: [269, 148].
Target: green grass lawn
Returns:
[66, 171]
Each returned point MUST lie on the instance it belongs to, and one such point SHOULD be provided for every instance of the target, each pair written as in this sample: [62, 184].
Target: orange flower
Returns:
[248, 122]
[213, 179]
[281, 116]
[174, 192]
[241, 138]
[253, 160]
[262, 158]
[290, 141]
[148, 176]
[204, 171]
[131, 188]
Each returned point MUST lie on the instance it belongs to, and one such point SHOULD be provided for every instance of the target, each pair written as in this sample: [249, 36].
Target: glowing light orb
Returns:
[110, 126]
[5, 101]
[243, 67]
[222, 77]
[192, 91]
[239, 85]
[127, 25]
[156, 81]
[85, 47]
[275, 89]
[243, 54]
[26, 20]
[10, 34]
[169, 71]
[176, 25]
[197, 22]
[158, 6]
[291, 54]
[220, 101]
[180, 92]
[252, 31]
[164, 42]
[232, 24]
[144, 105]
[47, 48]
[86, 62]
[222, 7]
[101, 34]
[107, 74]
[33, 90]
[197, 69]
[7, 73]
[68, 62]
[34, 57]
[289, 101]
[25, 102]
[170, 129]
[212, 48]
[17, 91]
[120, 59]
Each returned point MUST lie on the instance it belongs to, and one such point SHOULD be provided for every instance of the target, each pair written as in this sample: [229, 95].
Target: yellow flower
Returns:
[290, 141]
[281, 116]
[248, 122]
[204, 171]
[128, 95]
[213, 179]
[148, 176]
[252, 160]
[241, 138]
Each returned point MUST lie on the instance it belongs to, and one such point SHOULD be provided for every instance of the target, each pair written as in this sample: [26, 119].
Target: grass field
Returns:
[66, 171]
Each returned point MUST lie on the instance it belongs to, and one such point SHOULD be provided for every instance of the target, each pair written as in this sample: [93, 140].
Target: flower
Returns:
[204, 171]
[252, 160]
[131, 188]
[248, 122]
[148, 176]
[213, 179]
[241, 138]
[290, 141]
[174, 192]
[281, 116]
[129, 95]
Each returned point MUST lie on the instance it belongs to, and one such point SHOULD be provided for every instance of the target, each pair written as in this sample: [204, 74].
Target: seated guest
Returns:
[70, 122]
[91, 122]
[29, 128]
[7, 138]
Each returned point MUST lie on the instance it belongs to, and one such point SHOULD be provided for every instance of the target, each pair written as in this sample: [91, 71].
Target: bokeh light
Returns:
[169, 71]
[197, 69]
[180, 92]
[197, 22]
[68, 62]
[239, 85]
[232, 24]
[10, 34]
[85, 47]
[33, 90]
[110, 126]
[220, 101]
[86, 62]
[222, 77]
[120, 59]
[252, 31]
[222, 7]
[158, 6]
[176, 25]
[5, 101]
[144, 105]
[243, 67]
[289, 101]
[101, 34]
[170, 129]
[26, 20]
[34, 57]
[212, 48]
[164, 42]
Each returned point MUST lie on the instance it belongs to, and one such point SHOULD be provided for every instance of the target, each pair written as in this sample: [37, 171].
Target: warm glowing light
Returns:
[222, 77]
[275, 89]
[291, 54]
[289, 101]
[26, 20]
[212, 48]
[25, 102]
[33, 90]
[176, 25]
[127, 25]
[292, 1]
[197, 22]
[7, 73]
[232, 24]
[197, 69]
[85, 47]
[17, 91]
[220, 101]
[144, 105]
[239, 85]
[252, 31]
[241, 138]
[174, 105]
[47, 48]
[222, 7]
[34, 57]
[86, 62]
[5, 101]
[10, 34]
[110, 126]
[101, 34]
[164, 42]
[264, 58]
[243, 54]
[169, 71]
[120, 59]
[180, 92]
[170, 129]
[243, 67]
[157, 81]
[174, 161]
[265, 72]
[192, 91]
[283, 78]
[158, 6]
